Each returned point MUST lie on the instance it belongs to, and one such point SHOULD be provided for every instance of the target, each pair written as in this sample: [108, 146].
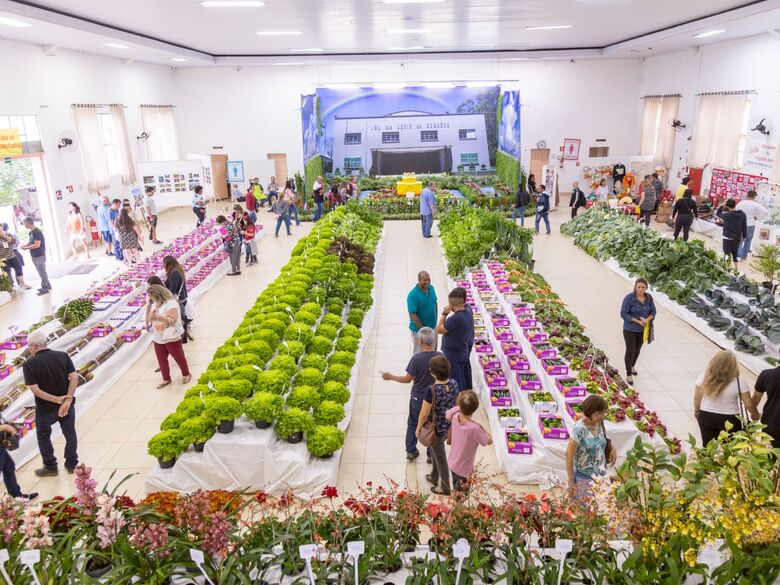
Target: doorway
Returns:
[539, 158]
[280, 167]
[219, 176]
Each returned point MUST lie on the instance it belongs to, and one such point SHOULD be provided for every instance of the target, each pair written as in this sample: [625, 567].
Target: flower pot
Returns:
[262, 424]
[295, 437]
[328, 456]
[226, 426]
[96, 568]
[166, 464]
[199, 447]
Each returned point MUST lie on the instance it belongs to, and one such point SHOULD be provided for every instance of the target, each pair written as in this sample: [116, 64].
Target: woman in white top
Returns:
[602, 193]
[718, 393]
[167, 329]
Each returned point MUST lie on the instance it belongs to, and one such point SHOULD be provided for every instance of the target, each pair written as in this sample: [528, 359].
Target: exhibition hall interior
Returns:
[390, 291]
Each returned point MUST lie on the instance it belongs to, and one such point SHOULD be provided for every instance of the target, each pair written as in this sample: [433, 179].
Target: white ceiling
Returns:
[158, 30]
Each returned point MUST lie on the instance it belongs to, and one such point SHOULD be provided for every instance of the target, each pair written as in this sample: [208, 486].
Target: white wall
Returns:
[255, 110]
[747, 64]
[47, 86]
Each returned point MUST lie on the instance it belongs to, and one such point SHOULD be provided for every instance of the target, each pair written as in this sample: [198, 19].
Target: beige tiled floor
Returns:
[113, 433]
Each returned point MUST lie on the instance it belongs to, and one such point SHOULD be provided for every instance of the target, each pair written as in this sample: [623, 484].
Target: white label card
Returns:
[30, 557]
[461, 549]
[307, 551]
[356, 548]
[197, 556]
[4, 556]
[564, 545]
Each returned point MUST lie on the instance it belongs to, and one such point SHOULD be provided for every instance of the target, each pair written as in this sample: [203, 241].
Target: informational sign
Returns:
[235, 171]
[10, 143]
[760, 156]
[727, 184]
[571, 149]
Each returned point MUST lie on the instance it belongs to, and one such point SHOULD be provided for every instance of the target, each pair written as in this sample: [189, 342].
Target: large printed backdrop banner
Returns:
[509, 130]
[388, 132]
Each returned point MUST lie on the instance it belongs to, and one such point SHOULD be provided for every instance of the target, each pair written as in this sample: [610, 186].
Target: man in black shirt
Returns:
[768, 383]
[37, 248]
[577, 199]
[456, 325]
[52, 379]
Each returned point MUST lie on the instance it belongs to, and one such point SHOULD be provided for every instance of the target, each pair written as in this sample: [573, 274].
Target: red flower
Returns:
[261, 497]
[530, 498]
[329, 492]
[369, 483]
[124, 502]
[286, 499]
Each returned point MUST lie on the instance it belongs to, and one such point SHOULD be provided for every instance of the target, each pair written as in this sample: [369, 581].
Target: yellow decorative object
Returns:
[409, 184]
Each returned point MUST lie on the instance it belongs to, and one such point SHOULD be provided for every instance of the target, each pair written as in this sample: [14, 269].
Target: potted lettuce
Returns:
[224, 411]
[166, 446]
[197, 430]
[323, 441]
[292, 424]
[264, 408]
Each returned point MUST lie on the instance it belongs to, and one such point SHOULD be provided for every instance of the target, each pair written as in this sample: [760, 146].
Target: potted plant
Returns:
[339, 373]
[324, 441]
[309, 377]
[271, 381]
[224, 411]
[767, 262]
[292, 424]
[197, 430]
[166, 446]
[335, 391]
[237, 388]
[264, 408]
[329, 412]
[304, 397]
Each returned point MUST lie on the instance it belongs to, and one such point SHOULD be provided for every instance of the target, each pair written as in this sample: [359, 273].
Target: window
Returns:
[110, 144]
[719, 130]
[352, 138]
[429, 136]
[28, 131]
[391, 138]
[469, 158]
[469, 134]
[744, 135]
[658, 134]
[352, 163]
[598, 151]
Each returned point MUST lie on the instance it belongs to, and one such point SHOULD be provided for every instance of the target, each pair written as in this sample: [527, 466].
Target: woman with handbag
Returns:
[176, 282]
[638, 312]
[719, 391]
[232, 241]
[589, 449]
[167, 329]
[433, 426]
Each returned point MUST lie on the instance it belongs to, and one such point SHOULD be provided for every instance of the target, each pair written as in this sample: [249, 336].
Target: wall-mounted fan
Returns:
[677, 124]
[760, 126]
[143, 137]
[69, 141]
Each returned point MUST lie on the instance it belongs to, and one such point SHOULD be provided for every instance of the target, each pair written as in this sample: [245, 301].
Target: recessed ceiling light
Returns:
[311, 50]
[709, 33]
[551, 27]
[417, 48]
[407, 31]
[412, 1]
[278, 33]
[115, 46]
[286, 64]
[13, 22]
[178, 59]
[232, 3]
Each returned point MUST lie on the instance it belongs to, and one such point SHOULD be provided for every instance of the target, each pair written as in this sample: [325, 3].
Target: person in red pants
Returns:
[167, 328]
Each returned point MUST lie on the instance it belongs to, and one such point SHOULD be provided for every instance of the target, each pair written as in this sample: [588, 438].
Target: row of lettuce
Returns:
[289, 362]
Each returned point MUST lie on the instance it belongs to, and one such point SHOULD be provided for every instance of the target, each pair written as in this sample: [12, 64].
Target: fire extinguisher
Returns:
[93, 229]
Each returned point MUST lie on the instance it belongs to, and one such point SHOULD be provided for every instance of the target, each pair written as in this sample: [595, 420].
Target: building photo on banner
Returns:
[469, 292]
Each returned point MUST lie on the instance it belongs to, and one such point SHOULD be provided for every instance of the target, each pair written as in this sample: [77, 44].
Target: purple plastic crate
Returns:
[130, 334]
[500, 321]
[5, 371]
[495, 379]
[530, 384]
[511, 348]
[555, 369]
[544, 353]
[483, 346]
[519, 363]
[572, 391]
[534, 334]
[527, 322]
[521, 447]
[570, 408]
[504, 334]
[500, 398]
[558, 432]
[489, 361]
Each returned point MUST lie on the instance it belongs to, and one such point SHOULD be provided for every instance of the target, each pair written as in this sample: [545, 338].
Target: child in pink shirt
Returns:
[466, 436]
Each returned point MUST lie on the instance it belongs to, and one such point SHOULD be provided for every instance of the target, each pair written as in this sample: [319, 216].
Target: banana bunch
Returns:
[75, 312]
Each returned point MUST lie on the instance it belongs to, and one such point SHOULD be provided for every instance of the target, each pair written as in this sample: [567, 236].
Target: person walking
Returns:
[199, 205]
[647, 204]
[319, 198]
[10, 258]
[682, 187]
[76, 229]
[638, 312]
[716, 400]
[683, 214]
[735, 230]
[422, 305]
[466, 436]
[231, 240]
[292, 200]
[104, 224]
[251, 204]
[768, 383]
[52, 378]
[754, 212]
[456, 325]
[439, 398]
[113, 215]
[282, 210]
[248, 232]
[586, 453]
[167, 329]
[577, 199]
[427, 209]
[542, 210]
[37, 247]
[418, 372]
[522, 201]
[129, 237]
[8, 467]
[150, 206]
[176, 282]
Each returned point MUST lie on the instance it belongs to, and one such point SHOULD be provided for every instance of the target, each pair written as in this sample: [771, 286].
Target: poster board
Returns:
[174, 181]
[550, 180]
[728, 184]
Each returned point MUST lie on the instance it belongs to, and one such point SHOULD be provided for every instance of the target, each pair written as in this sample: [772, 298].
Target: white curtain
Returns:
[93, 151]
[647, 143]
[717, 130]
[163, 142]
[125, 155]
[664, 150]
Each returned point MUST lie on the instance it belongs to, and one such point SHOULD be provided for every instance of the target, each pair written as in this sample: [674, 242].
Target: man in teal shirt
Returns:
[422, 307]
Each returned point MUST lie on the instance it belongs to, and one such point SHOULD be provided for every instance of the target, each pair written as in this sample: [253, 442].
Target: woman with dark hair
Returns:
[167, 328]
[334, 197]
[638, 311]
[735, 229]
[176, 282]
[199, 205]
[129, 234]
[683, 213]
[14, 260]
[76, 229]
[531, 184]
[292, 199]
[586, 454]
[232, 240]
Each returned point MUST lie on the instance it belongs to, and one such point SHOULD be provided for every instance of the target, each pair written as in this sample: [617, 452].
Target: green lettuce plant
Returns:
[264, 406]
[197, 429]
[313, 360]
[293, 420]
[304, 397]
[320, 345]
[335, 391]
[345, 358]
[338, 373]
[348, 344]
[222, 408]
[166, 445]
[284, 363]
[292, 348]
[329, 412]
[272, 381]
[323, 441]
[236, 388]
[173, 421]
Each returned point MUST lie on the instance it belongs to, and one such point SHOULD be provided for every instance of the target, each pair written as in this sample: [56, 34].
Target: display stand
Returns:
[175, 181]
